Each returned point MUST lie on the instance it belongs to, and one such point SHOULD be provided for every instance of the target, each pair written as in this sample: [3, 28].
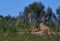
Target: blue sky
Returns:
[12, 7]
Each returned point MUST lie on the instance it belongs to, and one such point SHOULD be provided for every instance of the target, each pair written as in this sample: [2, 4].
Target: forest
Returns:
[31, 16]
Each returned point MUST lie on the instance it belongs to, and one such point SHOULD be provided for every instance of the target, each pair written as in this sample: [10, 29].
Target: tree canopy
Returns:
[34, 12]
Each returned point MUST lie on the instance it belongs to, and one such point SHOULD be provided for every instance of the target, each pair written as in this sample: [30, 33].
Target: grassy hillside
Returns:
[27, 37]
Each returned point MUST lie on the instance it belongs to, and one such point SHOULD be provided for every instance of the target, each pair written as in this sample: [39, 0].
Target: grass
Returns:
[27, 37]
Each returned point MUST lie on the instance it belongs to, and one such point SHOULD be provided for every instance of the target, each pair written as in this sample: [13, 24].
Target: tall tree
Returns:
[58, 12]
[49, 17]
[35, 8]
[34, 11]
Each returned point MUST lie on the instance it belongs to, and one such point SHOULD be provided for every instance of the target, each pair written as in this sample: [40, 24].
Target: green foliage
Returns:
[27, 37]
[9, 26]
[21, 23]
[58, 13]
[58, 10]
[34, 7]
